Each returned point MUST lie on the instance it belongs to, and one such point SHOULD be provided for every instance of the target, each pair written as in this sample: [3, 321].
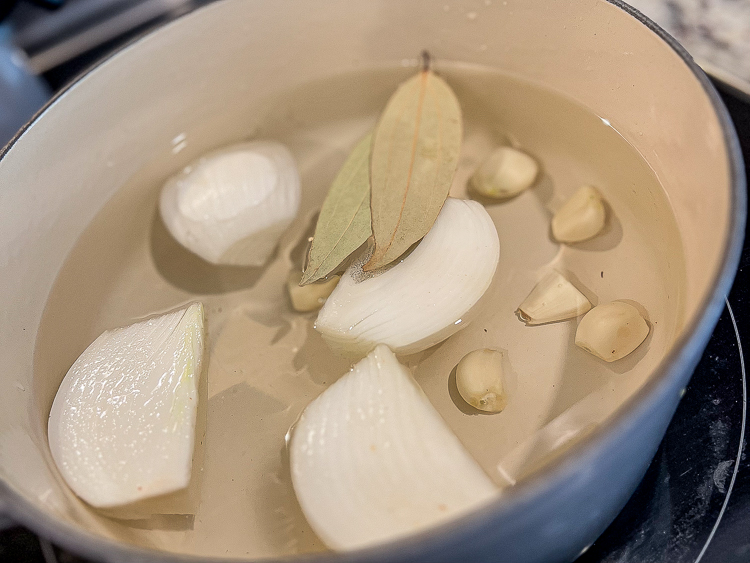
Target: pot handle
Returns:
[5, 520]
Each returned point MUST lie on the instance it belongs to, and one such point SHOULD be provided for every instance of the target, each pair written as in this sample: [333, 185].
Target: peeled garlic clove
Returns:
[421, 300]
[504, 173]
[553, 299]
[232, 205]
[372, 460]
[581, 217]
[611, 331]
[122, 425]
[310, 297]
[479, 379]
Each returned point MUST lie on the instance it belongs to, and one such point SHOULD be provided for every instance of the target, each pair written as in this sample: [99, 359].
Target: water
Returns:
[265, 362]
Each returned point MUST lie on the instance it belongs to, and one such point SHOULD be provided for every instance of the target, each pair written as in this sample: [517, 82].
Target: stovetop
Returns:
[693, 504]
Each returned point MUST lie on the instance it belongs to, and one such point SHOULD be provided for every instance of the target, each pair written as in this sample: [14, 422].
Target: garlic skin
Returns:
[372, 460]
[553, 299]
[423, 299]
[122, 425]
[312, 296]
[479, 379]
[581, 217]
[232, 205]
[612, 331]
[506, 172]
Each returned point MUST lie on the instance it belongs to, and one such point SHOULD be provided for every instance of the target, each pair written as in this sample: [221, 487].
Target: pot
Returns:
[231, 71]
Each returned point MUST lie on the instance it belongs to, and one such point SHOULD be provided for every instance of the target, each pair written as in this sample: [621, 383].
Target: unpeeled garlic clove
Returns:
[504, 173]
[612, 331]
[372, 460]
[479, 379]
[122, 425]
[423, 299]
[310, 297]
[554, 298]
[232, 205]
[581, 217]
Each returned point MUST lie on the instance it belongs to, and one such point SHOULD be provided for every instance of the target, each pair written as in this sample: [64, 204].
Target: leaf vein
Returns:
[412, 157]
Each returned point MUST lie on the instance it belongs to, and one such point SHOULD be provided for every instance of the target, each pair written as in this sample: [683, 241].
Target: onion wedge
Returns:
[231, 206]
[122, 425]
[423, 299]
[373, 461]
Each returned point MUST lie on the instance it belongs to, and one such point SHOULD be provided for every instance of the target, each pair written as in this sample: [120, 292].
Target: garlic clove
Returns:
[504, 173]
[612, 331]
[372, 460]
[479, 379]
[232, 205]
[554, 298]
[581, 217]
[122, 425]
[312, 296]
[423, 299]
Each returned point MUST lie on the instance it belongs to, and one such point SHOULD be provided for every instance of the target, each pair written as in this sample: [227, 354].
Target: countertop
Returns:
[715, 32]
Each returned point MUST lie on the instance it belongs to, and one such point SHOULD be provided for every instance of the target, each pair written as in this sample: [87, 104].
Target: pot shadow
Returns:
[544, 189]
[187, 271]
[323, 365]
[266, 501]
[287, 525]
[165, 522]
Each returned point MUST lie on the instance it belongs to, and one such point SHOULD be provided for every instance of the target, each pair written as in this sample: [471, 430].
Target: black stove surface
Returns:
[693, 505]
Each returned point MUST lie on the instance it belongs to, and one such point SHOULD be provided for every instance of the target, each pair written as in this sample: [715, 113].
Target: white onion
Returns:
[122, 424]
[232, 205]
[422, 300]
[372, 460]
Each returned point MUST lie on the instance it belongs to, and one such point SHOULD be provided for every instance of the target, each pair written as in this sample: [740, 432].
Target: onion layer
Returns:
[232, 205]
[421, 300]
[372, 460]
[122, 425]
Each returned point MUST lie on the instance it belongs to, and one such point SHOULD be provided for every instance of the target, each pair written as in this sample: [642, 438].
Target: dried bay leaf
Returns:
[415, 152]
[344, 221]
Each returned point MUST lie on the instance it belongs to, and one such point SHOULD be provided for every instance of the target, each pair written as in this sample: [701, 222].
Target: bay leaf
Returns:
[415, 152]
[344, 220]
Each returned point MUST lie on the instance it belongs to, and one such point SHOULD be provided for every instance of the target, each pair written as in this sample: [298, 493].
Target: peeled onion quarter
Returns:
[122, 425]
[373, 461]
[232, 205]
[423, 299]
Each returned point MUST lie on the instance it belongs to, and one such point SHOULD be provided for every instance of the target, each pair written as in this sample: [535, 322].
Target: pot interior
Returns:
[601, 100]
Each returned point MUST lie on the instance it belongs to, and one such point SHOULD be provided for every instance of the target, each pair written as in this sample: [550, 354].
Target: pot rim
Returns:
[671, 375]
